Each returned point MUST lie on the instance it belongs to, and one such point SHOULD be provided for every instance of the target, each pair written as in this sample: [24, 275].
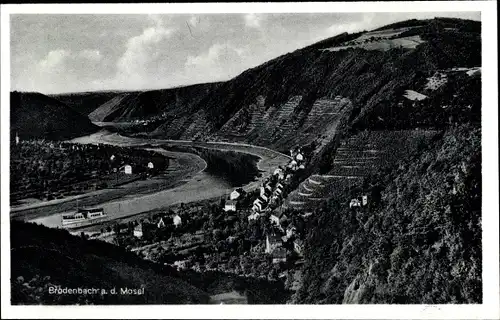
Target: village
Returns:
[250, 234]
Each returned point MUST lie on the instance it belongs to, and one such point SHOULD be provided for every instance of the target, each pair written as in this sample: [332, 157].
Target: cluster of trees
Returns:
[39, 168]
[418, 242]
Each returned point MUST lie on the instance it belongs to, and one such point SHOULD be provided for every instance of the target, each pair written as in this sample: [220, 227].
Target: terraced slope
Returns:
[358, 156]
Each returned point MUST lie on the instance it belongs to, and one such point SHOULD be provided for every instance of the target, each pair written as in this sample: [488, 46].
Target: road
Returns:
[191, 185]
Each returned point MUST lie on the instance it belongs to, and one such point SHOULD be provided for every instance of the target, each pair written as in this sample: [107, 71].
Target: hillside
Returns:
[418, 240]
[370, 80]
[43, 257]
[164, 103]
[271, 103]
[85, 102]
[34, 115]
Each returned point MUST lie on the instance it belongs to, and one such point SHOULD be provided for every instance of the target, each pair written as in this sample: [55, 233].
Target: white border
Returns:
[491, 297]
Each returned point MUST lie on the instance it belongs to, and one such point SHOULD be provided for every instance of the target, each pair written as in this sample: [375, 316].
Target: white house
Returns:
[138, 231]
[354, 203]
[151, 165]
[262, 191]
[160, 224]
[257, 205]
[234, 195]
[253, 216]
[364, 200]
[127, 169]
[272, 242]
[274, 219]
[230, 205]
[177, 220]
[17, 139]
[112, 157]
[293, 165]
[299, 157]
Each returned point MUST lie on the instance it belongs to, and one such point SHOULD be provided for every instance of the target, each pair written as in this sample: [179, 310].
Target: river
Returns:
[192, 186]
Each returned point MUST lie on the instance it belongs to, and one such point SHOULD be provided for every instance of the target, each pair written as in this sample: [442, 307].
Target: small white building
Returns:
[177, 220]
[262, 191]
[151, 165]
[253, 216]
[17, 138]
[354, 203]
[299, 157]
[234, 195]
[272, 242]
[230, 206]
[364, 200]
[257, 205]
[138, 231]
[112, 157]
[160, 224]
[127, 169]
[274, 219]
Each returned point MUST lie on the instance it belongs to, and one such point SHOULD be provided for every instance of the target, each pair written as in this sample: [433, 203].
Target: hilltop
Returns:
[85, 102]
[37, 116]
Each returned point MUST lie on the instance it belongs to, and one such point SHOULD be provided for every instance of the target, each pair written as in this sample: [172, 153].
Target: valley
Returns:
[348, 171]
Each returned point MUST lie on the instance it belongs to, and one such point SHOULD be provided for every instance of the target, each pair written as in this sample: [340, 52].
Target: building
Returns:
[364, 200]
[177, 220]
[230, 205]
[272, 243]
[138, 233]
[151, 165]
[254, 216]
[354, 203]
[290, 231]
[274, 219]
[299, 157]
[160, 224]
[298, 246]
[17, 138]
[234, 195]
[127, 169]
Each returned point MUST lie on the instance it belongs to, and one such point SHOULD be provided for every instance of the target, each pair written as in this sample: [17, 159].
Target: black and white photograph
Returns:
[309, 157]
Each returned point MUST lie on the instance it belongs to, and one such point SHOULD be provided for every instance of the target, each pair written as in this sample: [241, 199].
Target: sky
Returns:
[93, 52]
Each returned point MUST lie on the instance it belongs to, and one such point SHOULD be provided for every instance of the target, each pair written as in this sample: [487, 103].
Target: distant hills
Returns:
[85, 102]
[34, 115]
[143, 105]
[359, 77]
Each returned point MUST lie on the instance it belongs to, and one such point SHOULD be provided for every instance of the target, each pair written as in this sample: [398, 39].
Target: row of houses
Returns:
[270, 200]
[147, 226]
[273, 189]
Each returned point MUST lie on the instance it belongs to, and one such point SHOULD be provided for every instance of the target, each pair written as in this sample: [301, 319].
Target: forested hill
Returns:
[42, 258]
[418, 241]
[37, 116]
